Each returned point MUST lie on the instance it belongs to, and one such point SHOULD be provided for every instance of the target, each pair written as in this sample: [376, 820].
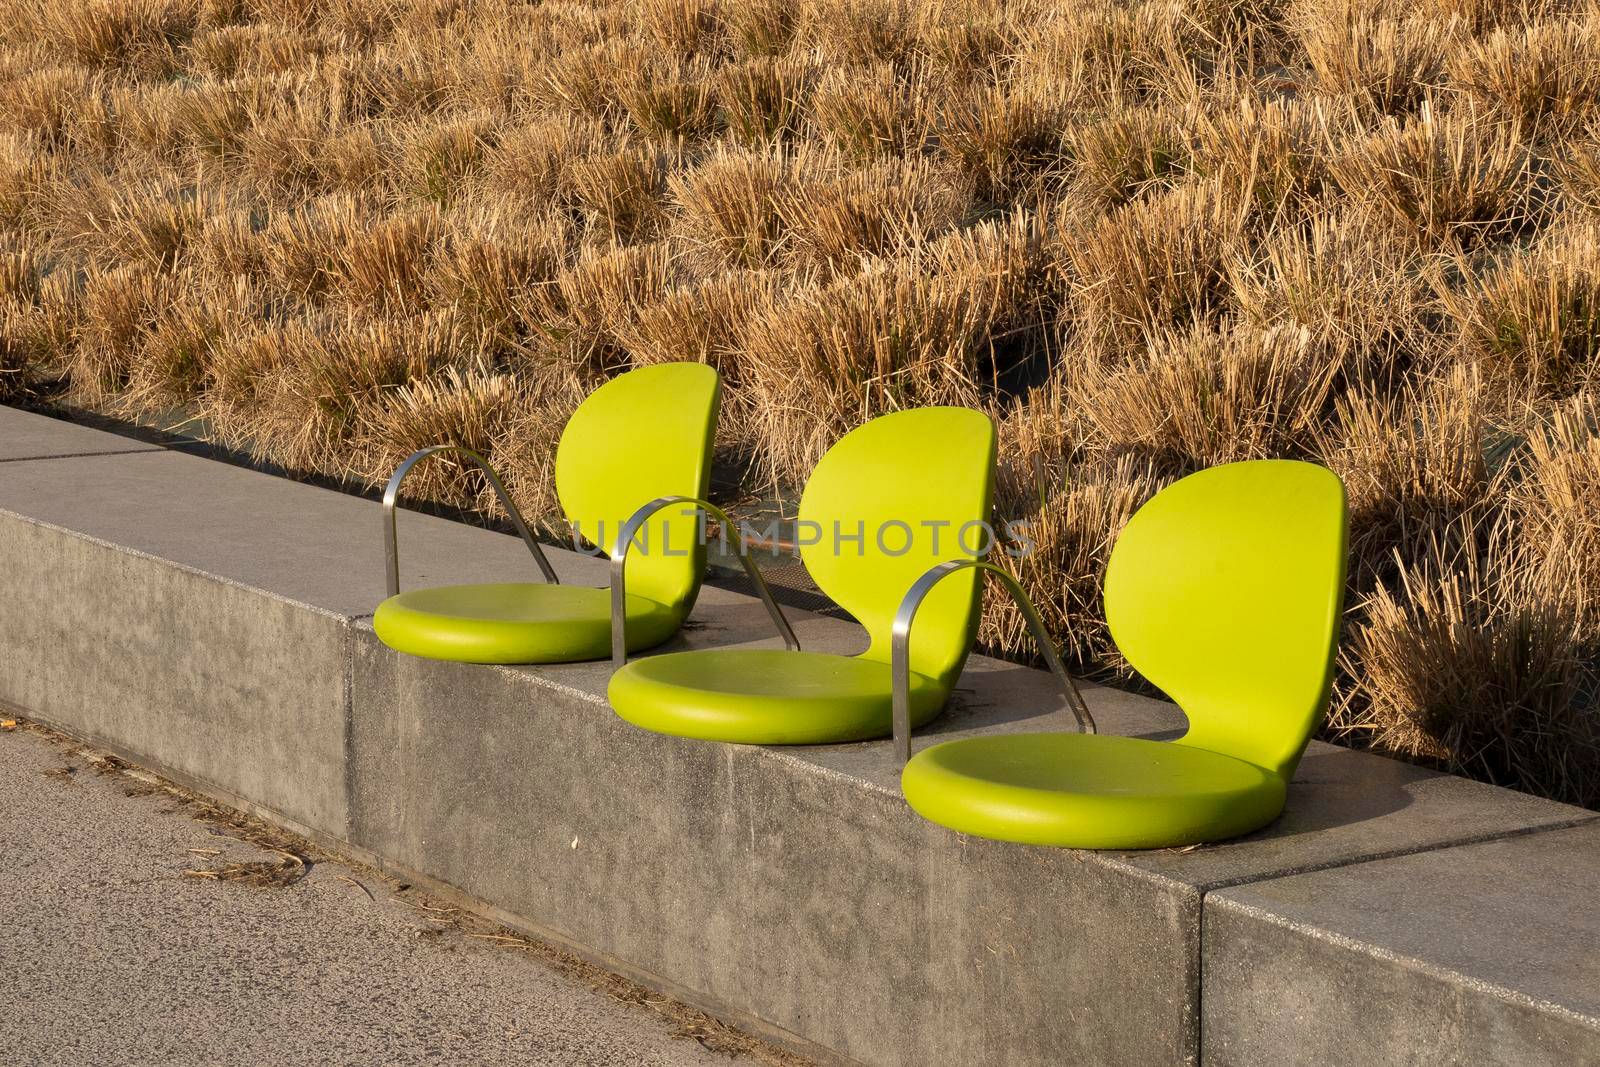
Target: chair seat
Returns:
[1089, 791]
[765, 696]
[515, 622]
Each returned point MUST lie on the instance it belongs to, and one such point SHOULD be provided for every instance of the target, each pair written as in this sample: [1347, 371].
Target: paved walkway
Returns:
[140, 926]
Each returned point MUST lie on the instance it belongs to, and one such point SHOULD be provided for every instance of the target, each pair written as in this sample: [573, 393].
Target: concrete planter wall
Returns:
[213, 622]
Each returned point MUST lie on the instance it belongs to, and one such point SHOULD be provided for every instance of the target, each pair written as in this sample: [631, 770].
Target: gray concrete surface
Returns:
[27, 435]
[773, 887]
[791, 885]
[1488, 953]
[295, 541]
[794, 884]
[113, 955]
[210, 677]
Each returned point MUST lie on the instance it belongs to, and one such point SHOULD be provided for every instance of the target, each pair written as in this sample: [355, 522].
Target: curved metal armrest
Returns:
[619, 559]
[900, 648]
[391, 544]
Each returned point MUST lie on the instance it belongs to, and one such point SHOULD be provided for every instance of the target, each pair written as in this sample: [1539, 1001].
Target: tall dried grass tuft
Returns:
[763, 98]
[1066, 517]
[603, 294]
[436, 160]
[1472, 662]
[762, 27]
[1007, 139]
[966, 41]
[1454, 178]
[823, 360]
[860, 31]
[385, 266]
[298, 155]
[1372, 58]
[20, 366]
[1532, 321]
[22, 267]
[531, 165]
[229, 51]
[669, 97]
[173, 367]
[44, 103]
[1544, 71]
[621, 192]
[582, 81]
[1128, 153]
[833, 215]
[31, 338]
[1579, 168]
[473, 408]
[728, 207]
[526, 453]
[1272, 153]
[319, 380]
[141, 36]
[1555, 502]
[869, 110]
[1354, 285]
[682, 27]
[119, 308]
[146, 219]
[700, 323]
[494, 263]
[25, 171]
[1415, 465]
[1153, 264]
[1208, 396]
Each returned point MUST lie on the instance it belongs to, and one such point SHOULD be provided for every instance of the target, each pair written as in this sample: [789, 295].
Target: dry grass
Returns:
[728, 209]
[1156, 264]
[1072, 513]
[1203, 397]
[1539, 72]
[1474, 657]
[1452, 179]
[1147, 236]
[1533, 318]
[1557, 503]
[1414, 466]
[1377, 60]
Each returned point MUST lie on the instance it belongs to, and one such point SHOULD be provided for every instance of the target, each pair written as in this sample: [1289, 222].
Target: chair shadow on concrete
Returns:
[1338, 787]
[1332, 787]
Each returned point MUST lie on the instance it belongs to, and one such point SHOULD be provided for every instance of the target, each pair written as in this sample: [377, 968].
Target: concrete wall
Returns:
[213, 622]
[220, 682]
[1485, 953]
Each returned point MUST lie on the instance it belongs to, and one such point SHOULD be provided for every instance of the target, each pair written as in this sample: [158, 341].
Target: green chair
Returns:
[1225, 591]
[640, 434]
[888, 499]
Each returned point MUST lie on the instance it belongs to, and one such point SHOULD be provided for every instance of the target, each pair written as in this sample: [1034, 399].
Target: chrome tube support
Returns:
[900, 648]
[391, 492]
[619, 559]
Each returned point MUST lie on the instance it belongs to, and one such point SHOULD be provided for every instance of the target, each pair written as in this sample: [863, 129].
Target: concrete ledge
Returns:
[796, 885]
[212, 620]
[1489, 953]
[26, 435]
[806, 898]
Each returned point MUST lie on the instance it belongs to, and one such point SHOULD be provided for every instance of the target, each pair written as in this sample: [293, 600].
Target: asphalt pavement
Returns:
[142, 925]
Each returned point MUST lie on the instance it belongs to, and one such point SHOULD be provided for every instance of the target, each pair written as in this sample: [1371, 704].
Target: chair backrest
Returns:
[644, 434]
[888, 501]
[1225, 590]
